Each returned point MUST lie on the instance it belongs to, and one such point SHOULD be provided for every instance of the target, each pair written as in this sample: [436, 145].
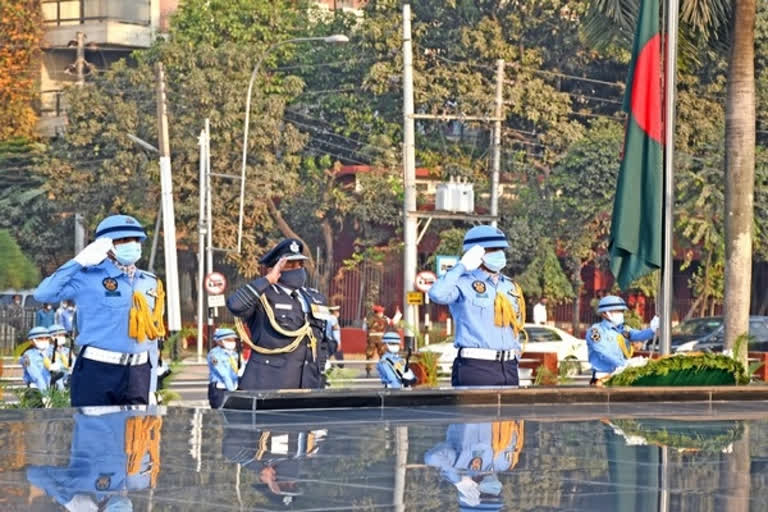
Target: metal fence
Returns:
[9, 335]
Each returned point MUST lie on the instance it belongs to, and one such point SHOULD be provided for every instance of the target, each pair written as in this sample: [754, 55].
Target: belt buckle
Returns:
[125, 359]
[500, 355]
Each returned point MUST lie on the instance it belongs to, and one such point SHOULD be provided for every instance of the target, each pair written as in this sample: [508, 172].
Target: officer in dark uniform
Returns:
[287, 324]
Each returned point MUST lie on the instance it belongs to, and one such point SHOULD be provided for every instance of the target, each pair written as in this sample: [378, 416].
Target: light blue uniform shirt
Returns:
[464, 442]
[470, 297]
[386, 368]
[104, 297]
[98, 464]
[220, 361]
[35, 372]
[605, 354]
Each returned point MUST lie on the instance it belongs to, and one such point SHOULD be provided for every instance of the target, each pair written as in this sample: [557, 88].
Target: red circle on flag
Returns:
[646, 89]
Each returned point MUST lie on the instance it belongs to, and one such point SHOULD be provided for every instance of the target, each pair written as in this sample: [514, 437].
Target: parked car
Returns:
[713, 341]
[541, 338]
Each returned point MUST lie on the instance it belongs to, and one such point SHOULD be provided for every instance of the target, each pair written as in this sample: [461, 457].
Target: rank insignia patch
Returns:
[103, 482]
[110, 284]
[595, 335]
[478, 286]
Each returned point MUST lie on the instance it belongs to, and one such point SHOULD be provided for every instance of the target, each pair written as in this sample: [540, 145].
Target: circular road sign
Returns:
[215, 283]
[424, 280]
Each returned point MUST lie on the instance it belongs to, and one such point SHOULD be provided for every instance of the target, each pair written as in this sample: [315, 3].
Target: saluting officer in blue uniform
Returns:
[223, 366]
[287, 323]
[119, 317]
[115, 450]
[35, 360]
[392, 368]
[488, 310]
[471, 456]
[610, 343]
[59, 353]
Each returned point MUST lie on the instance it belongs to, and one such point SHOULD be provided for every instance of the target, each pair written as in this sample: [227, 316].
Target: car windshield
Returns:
[697, 327]
[539, 334]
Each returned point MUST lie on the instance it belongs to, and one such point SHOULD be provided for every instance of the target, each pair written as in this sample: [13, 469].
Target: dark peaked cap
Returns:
[291, 248]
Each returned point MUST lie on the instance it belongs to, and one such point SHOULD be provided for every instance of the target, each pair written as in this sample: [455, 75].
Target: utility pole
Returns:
[212, 312]
[497, 142]
[79, 70]
[169, 219]
[201, 231]
[409, 182]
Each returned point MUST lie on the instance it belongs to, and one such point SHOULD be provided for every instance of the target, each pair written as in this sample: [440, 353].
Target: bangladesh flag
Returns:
[636, 228]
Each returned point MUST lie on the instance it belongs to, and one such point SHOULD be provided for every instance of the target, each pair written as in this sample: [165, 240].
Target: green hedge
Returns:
[684, 370]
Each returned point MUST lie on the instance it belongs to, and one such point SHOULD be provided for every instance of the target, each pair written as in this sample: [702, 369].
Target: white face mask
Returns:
[393, 348]
[229, 345]
[42, 345]
[616, 317]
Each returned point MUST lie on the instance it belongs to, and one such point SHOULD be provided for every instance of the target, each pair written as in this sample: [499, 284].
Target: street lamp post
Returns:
[336, 38]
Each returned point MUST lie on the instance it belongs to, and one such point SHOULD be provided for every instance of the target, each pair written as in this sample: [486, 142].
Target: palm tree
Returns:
[715, 21]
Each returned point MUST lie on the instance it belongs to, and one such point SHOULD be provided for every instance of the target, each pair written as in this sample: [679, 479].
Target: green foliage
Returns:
[675, 435]
[167, 396]
[340, 377]
[544, 277]
[701, 369]
[429, 362]
[34, 399]
[16, 270]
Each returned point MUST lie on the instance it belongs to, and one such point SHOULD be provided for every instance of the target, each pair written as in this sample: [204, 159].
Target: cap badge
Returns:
[294, 247]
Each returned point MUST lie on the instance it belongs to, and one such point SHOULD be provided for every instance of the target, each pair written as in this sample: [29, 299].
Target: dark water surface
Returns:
[625, 457]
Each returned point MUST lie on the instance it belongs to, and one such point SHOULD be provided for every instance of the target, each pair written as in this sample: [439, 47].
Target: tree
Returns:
[16, 270]
[717, 21]
[544, 277]
[21, 30]
[583, 185]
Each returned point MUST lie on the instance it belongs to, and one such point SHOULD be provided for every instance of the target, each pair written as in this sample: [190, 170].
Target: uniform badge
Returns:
[110, 284]
[214, 361]
[479, 286]
[476, 464]
[294, 247]
[595, 335]
[103, 482]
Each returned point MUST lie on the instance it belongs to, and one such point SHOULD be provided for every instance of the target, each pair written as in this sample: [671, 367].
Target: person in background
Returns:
[45, 316]
[610, 343]
[16, 317]
[540, 312]
[334, 331]
[65, 315]
[223, 366]
[375, 325]
[36, 364]
[60, 353]
[393, 369]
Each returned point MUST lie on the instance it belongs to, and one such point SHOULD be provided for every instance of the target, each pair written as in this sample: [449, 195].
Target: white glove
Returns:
[469, 491]
[655, 322]
[327, 366]
[54, 367]
[473, 258]
[241, 371]
[81, 503]
[46, 402]
[95, 253]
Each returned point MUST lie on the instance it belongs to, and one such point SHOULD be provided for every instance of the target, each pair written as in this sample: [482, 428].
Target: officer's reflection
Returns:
[115, 450]
[472, 455]
[275, 456]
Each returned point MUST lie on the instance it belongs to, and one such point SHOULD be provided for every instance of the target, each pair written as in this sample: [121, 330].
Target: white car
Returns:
[541, 338]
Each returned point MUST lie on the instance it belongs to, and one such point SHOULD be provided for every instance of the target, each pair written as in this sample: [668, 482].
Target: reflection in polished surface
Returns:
[639, 457]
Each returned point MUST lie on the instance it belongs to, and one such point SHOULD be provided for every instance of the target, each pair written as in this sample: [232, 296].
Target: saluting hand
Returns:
[275, 272]
[473, 258]
[95, 252]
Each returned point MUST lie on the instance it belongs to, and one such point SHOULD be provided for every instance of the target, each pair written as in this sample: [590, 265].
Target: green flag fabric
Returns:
[636, 226]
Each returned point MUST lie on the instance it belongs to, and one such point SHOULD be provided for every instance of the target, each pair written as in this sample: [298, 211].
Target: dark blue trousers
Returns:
[215, 396]
[97, 383]
[479, 372]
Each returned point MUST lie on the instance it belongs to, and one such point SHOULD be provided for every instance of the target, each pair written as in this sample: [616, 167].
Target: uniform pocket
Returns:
[482, 302]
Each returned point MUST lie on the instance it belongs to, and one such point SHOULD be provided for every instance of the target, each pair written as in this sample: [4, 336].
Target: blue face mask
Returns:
[495, 261]
[294, 279]
[128, 253]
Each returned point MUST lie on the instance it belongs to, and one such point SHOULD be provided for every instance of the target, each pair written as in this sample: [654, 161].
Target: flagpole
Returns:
[670, 81]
